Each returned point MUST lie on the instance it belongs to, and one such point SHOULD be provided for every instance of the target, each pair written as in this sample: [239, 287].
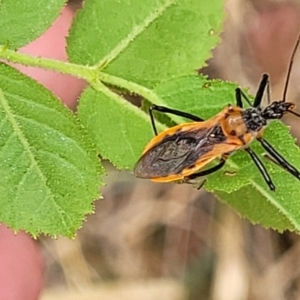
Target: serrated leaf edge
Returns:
[24, 142]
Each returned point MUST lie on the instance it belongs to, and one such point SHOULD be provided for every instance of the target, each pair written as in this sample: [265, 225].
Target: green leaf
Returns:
[119, 129]
[23, 21]
[49, 173]
[239, 183]
[146, 41]
[250, 203]
[197, 95]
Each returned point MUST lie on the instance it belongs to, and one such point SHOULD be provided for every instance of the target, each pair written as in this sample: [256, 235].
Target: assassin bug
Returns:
[181, 152]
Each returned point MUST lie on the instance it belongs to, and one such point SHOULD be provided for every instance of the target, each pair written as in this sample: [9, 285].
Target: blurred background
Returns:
[172, 242]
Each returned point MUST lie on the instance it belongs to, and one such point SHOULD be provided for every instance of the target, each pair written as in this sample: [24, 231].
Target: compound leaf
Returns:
[145, 41]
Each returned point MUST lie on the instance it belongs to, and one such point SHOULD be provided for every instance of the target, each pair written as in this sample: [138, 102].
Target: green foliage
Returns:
[115, 125]
[23, 21]
[146, 41]
[50, 173]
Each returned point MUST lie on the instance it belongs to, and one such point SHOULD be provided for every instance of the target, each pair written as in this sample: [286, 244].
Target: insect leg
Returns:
[238, 95]
[152, 120]
[279, 159]
[175, 112]
[268, 93]
[208, 171]
[261, 168]
[261, 89]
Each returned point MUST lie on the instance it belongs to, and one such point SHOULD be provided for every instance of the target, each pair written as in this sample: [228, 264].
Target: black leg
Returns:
[152, 120]
[272, 159]
[279, 159]
[238, 97]
[240, 94]
[201, 184]
[175, 112]
[268, 93]
[208, 171]
[261, 89]
[261, 168]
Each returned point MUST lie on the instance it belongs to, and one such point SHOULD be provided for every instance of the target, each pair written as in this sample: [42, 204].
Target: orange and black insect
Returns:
[181, 152]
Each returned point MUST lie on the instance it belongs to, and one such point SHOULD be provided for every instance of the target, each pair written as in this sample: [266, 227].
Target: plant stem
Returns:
[130, 86]
[90, 73]
[81, 71]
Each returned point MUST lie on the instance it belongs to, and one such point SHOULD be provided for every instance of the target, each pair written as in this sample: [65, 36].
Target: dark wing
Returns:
[177, 152]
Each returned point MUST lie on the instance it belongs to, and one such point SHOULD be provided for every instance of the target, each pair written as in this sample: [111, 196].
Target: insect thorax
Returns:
[234, 123]
[253, 119]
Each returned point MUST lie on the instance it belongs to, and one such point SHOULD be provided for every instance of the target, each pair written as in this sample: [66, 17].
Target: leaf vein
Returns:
[24, 142]
[36, 104]
[137, 30]
[46, 126]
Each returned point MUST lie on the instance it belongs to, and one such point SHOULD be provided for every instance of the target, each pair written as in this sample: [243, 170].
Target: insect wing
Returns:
[175, 151]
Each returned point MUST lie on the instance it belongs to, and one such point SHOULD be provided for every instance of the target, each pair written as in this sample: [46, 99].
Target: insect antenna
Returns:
[289, 71]
[294, 113]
